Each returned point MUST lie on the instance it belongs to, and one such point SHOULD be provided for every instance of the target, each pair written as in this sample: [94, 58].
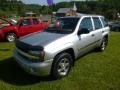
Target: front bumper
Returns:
[38, 68]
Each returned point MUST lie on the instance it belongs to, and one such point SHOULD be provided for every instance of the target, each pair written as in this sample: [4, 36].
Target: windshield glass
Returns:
[63, 25]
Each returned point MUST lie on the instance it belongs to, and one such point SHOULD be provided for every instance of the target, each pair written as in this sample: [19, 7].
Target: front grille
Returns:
[23, 49]
[27, 58]
[22, 46]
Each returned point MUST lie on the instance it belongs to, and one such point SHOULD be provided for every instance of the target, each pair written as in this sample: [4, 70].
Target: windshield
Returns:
[63, 25]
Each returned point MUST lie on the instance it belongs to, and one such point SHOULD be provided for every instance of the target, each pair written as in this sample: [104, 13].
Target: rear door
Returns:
[98, 30]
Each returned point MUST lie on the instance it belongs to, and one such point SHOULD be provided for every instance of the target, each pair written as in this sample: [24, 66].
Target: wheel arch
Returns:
[69, 51]
[11, 31]
[106, 36]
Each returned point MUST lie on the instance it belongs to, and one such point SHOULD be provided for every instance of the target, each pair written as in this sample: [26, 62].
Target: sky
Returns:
[44, 2]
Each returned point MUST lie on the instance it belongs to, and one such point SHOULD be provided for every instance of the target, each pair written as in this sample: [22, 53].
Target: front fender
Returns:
[52, 52]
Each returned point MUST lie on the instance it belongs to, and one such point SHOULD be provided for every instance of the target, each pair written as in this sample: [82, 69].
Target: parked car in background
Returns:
[54, 50]
[10, 31]
[115, 26]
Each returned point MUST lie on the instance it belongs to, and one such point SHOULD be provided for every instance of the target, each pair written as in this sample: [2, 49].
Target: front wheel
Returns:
[10, 37]
[61, 65]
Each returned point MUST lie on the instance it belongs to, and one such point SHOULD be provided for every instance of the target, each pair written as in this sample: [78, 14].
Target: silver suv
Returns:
[54, 50]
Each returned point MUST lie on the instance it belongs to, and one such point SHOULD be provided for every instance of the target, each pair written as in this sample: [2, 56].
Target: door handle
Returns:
[93, 35]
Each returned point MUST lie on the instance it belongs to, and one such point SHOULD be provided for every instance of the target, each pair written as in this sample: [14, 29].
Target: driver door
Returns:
[86, 41]
[25, 27]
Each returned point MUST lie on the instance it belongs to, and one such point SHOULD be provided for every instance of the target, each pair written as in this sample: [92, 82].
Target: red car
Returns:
[10, 31]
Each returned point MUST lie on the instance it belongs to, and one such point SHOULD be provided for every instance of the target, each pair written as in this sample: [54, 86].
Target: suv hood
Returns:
[41, 38]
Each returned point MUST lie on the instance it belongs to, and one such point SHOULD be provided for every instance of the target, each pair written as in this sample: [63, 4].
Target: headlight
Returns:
[42, 55]
[39, 54]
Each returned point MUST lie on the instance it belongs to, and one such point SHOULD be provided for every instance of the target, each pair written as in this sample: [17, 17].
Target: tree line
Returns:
[108, 8]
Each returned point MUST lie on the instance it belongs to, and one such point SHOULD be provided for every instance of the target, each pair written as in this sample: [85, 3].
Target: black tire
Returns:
[10, 37]
[103, 45]
[61, 66]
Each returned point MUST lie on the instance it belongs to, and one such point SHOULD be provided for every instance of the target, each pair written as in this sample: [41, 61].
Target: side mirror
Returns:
[83, 31]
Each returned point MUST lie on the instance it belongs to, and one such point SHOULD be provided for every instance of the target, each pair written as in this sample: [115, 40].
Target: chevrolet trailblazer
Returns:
[54, 50]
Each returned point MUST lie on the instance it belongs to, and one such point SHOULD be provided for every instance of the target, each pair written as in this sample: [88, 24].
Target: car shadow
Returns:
[10, 72]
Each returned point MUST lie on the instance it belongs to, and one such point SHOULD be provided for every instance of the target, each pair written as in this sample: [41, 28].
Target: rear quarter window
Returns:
[104, 21]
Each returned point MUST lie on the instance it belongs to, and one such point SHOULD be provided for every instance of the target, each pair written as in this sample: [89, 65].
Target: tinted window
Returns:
[35, 21]
[87, 24]
[63, 25]
[97, 23]
[104, 21]
[26, 22]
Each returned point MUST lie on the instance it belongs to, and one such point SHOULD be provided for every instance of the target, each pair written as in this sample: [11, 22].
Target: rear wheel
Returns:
[10, 37]
[103, 44]
[61, 65]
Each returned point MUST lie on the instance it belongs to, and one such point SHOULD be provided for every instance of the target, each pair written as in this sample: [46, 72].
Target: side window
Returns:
[97, 23]
[26, 22]
[35, 21]
[87, 24]
[104, 21]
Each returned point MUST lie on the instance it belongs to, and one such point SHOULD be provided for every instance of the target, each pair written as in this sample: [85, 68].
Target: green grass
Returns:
[94, 71]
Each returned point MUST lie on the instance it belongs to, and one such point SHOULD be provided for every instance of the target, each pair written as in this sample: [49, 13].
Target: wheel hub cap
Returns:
[63, 66]
[11, 38]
